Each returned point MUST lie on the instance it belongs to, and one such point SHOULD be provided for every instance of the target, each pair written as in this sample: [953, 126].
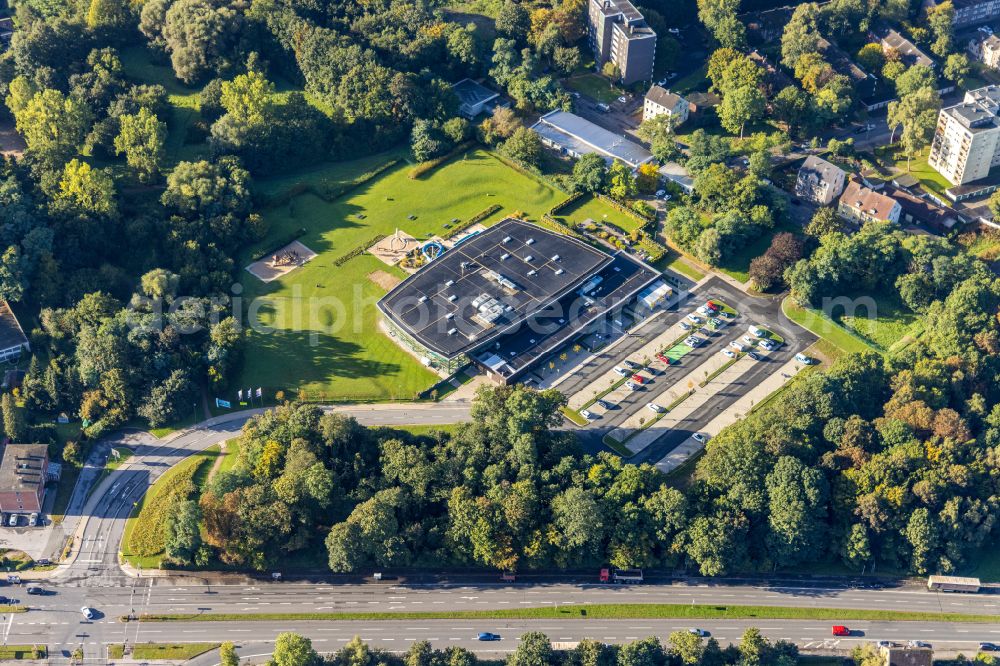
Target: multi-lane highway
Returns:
[94, 578]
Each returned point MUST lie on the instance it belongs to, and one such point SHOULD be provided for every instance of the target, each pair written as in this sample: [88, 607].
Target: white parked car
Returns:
[729, 352]
[686, 326]
[87, 613]
[802, 358]
[655, 407]
[738, 346]
[759, 332]
[699, 437]
[586, 414]
[660, 193]
[767, 344]
[632, 386]
[622, 372]
[694, 318]
[666, 197]
[623, 99]
[749, 339]
[705, 310]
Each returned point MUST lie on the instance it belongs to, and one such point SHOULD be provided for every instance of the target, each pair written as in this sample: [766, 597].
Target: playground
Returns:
[281, 263]
[326, 339]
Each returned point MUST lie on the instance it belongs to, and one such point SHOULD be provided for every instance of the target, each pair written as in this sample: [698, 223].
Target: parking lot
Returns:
[663, 389]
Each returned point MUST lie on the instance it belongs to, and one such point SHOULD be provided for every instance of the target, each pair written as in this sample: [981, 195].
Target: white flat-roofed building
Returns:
[575, 136]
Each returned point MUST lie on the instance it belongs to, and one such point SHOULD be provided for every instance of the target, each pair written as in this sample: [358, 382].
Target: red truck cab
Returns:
[605, 575]
[841, 630]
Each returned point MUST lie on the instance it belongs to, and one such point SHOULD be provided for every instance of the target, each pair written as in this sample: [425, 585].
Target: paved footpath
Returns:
[735, 412]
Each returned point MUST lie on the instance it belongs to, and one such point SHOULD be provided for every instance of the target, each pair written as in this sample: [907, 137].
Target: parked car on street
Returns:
[699, 437]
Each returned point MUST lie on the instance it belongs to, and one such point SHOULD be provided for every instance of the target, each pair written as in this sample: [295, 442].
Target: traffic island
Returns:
[153, 651]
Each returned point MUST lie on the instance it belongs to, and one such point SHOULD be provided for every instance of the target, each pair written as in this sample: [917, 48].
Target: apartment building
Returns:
[860, 204]
[819, 181]
[618, 33]
[986, 51]
[660, 101]
[971, 12]
[966, 142]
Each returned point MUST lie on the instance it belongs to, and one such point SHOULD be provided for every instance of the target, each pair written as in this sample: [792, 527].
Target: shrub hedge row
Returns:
[475, 219]
[340, 261]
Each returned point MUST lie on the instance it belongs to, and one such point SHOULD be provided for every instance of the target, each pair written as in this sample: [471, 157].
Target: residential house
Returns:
[915, 210]
[893, 42]
[860, 204]
[618, 33]
[23, 473]
[907, 656]
[970, 12]
[819, 181]
[660, 101]
[12, 338]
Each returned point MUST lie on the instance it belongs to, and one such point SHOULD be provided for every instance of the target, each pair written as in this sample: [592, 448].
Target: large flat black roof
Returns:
[488, 285]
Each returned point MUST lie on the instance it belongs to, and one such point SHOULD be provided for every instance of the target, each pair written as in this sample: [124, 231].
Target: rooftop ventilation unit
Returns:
[559, 271]
[452, 331]
[504, 257]
[529, 241]
[532, 272]
[452, 298]
[450, 315]
[555, 257]
[506, 239]
[449, 283]
[421, 299]
[529, 258]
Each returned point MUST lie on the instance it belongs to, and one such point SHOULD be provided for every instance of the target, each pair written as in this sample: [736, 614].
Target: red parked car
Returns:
[713, 306]
[663, 358]
[638, 379]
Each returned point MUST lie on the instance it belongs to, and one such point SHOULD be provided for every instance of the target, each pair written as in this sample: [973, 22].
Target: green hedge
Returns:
[340, 261]
[428, 166]
[475, 219]
[566, 202]
[278, 244]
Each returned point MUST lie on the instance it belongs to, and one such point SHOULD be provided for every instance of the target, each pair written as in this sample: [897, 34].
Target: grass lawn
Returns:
[230, 457]
[826, 328]
[984, 244]
[677, 263]
[594, 85]
[139, 65]
[421, 430]
[890, 322]
[142, 543]
[601, 611]
[737, 266]
[930, 179]
[696, 80]
[162, 650]
[593, 208]
[332, 347]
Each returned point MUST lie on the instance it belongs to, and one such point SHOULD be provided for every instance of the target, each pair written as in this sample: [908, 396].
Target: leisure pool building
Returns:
[508, 297]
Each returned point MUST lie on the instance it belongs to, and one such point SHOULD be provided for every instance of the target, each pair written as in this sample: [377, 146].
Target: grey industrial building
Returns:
[575, 136]
[509, 296]
[618, 33]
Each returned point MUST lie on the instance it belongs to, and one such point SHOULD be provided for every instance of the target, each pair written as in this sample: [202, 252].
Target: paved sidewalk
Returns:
[735, 412]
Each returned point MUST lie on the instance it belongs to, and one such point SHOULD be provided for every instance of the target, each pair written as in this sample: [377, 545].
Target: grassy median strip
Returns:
[598, 611]
[162, 650]
[23, 652]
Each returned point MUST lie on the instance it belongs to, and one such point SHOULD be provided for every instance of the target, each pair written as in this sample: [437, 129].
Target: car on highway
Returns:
[87, 612]
[989, 647]
[604, 403]
[686, 326]
[728, 352]
[621, 371]
[487, 636]
[34, 589]
[698, 632]
[918, 644]
[698, 437]
[695, 319]
[655, 407]
[587, 414]
[840, 630]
